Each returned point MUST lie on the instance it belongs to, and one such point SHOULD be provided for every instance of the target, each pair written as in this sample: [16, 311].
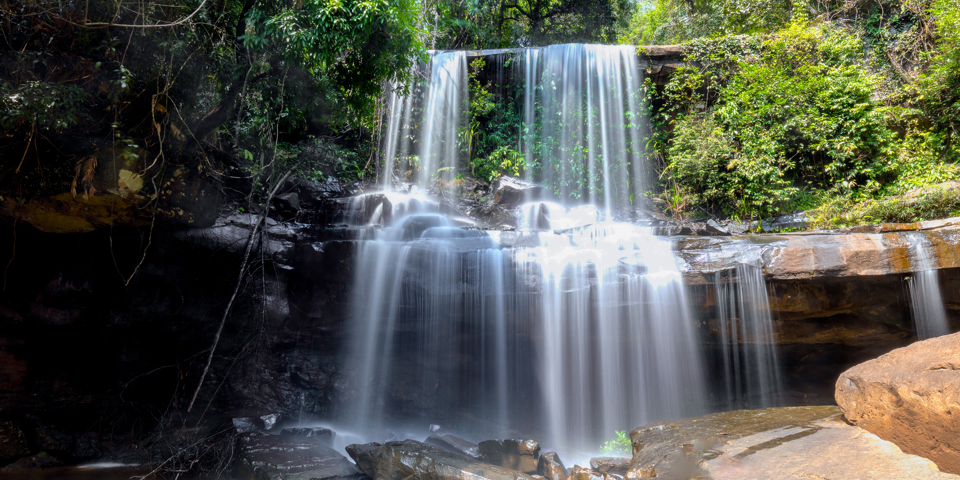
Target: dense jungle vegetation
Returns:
[831, 106]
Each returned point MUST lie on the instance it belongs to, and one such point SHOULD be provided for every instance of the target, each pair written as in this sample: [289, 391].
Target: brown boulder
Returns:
[550, 467]
[519, 455]
[911, 397]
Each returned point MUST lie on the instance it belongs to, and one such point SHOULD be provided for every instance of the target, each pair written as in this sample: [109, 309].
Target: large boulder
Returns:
[551, 467]
[13, 442]
[452, 443]
[770, 444]
[293, 457]
[412, 459]
[513, 191]
[911, 397]
[519, 455]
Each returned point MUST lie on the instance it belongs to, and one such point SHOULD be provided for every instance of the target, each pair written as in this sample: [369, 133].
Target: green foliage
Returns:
[937, 91]
[502, 161]
[620, 445]
[676, 21]
[699, 157]
[49, 106]
[487, 24]
[356, 44]
[798, 113]
[931, 202]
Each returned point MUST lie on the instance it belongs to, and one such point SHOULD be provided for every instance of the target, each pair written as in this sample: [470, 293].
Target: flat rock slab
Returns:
[411, 459]
[911, 397]
[771, 444]
[292, 457]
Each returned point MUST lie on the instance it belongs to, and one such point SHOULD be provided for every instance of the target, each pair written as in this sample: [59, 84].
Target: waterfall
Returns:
[582, 122]
[751, 373]
[929, 315]
[586, 333]
[583, 328]
[590, 122]
[423, 126]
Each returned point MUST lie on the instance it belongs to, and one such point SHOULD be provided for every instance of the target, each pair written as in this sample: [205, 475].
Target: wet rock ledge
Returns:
[771, 444]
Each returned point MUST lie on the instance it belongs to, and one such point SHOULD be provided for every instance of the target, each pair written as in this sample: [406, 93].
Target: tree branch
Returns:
[236, 289]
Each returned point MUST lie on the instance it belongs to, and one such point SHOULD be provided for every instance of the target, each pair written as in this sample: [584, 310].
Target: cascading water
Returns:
[929, 315]
[590, 135]
[422, 127]
[582, 131]
[575, 336]
[617, 344]
[571, 328]
[747, 345]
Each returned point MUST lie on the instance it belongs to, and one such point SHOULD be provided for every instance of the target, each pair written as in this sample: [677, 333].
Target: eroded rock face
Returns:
[514, 454]
[412, 459]
[770, 444]
[911, 397]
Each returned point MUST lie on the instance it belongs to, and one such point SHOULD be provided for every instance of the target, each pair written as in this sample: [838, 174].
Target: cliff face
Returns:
[79, 348]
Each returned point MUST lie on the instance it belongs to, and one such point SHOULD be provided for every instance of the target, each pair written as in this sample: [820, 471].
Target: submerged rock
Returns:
[514, 454]
[910, 397]
[412, 459]
[770, 444]
[292, 457]
[550, 467]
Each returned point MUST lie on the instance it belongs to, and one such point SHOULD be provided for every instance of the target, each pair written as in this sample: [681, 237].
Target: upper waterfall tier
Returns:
[575, 121]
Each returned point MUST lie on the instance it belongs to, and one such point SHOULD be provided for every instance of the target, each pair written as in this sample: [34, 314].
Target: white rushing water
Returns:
[748, 352]
[425, 124]
[581, 334]
[566, 331]
[929, 315]
[582, 131]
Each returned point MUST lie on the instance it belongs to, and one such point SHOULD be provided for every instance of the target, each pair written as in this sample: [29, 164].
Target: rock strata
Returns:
[911, 397]
[292, 457]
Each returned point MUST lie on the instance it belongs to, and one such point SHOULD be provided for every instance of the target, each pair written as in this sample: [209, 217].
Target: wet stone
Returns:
[770, 444]
[551, 467]
[292, 457]
[513, 191]
[412, 459]
[324, 434]
[356, 449]
[613, 465]
[454, 444]
[514, 454]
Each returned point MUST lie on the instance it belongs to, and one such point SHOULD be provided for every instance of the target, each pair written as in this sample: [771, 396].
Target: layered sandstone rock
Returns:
[911, 397]
[770, 444]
